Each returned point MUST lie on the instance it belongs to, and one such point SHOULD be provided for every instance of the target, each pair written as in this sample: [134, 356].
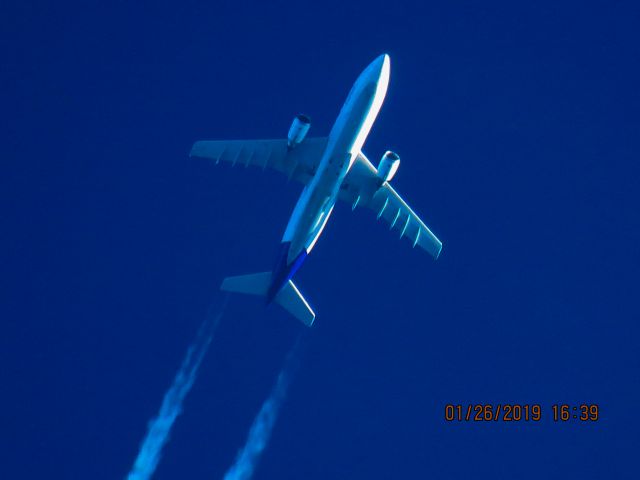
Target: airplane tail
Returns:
[289, 297]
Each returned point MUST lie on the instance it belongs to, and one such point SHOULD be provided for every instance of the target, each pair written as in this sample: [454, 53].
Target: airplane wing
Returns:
[361, 186]
[299, 163]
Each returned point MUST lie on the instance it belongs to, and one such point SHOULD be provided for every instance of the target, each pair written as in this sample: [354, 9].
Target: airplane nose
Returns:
[379, 68]
[381, 62]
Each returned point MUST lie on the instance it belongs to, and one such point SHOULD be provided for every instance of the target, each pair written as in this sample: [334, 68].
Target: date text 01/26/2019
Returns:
[512, 412]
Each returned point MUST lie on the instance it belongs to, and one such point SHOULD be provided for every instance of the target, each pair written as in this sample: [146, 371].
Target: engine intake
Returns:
[388, 166]
[297, 132]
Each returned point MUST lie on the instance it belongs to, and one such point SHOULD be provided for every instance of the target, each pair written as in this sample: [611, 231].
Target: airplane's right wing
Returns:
[299, 163]
[362, 186]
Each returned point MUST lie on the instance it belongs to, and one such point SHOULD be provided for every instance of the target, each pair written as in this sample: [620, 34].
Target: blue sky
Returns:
[518, 130]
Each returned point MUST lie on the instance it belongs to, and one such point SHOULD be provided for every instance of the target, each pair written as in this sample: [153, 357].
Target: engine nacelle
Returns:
[299, 128]
[388, 166]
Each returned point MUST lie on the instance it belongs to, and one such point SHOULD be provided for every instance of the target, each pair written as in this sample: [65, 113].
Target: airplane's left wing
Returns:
[299, 163]
[361, 187]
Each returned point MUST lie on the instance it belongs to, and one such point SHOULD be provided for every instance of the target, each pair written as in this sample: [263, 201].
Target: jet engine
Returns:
[388, 166]
[298, 130]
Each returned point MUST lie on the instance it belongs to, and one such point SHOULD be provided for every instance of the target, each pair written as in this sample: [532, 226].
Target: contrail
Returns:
[262, 426]
[160, 427]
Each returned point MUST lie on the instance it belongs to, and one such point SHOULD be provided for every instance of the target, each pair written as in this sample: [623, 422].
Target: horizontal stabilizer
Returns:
[288, 297]
[254, 284]
[293, 302]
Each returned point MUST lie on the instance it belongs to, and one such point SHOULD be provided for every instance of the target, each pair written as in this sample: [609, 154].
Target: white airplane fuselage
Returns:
[319, 196]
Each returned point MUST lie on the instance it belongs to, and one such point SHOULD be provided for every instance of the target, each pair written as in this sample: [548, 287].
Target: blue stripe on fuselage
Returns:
[283, 272]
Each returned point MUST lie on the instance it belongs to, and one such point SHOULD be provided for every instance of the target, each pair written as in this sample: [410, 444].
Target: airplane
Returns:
[331, 168]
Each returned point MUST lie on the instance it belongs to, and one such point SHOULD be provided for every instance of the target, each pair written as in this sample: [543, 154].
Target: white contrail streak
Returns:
[262, 426]
[160, 427]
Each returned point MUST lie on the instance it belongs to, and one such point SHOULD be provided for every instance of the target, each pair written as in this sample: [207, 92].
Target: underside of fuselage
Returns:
[316, 202]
